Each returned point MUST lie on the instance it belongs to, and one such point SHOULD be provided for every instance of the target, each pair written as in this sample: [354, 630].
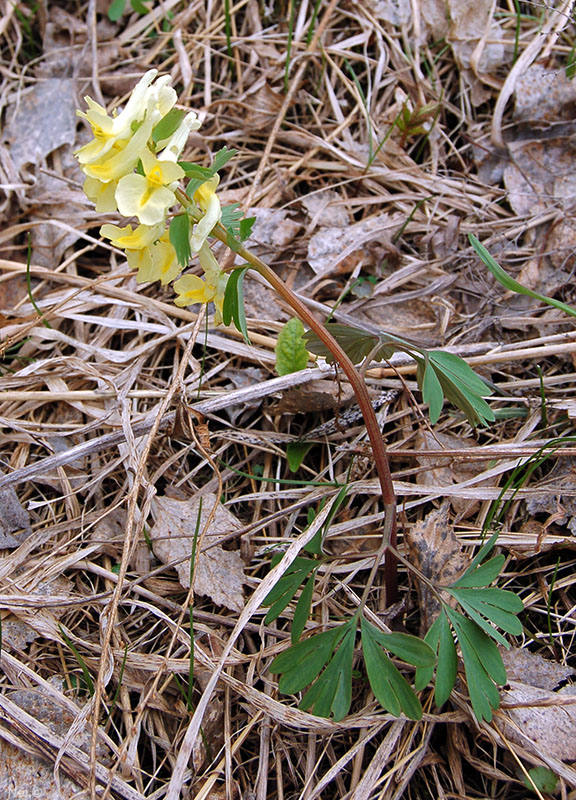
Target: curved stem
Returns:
[363, 398]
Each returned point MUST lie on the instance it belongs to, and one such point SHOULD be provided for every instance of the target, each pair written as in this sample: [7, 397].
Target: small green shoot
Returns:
[85, 671]
[29, 285]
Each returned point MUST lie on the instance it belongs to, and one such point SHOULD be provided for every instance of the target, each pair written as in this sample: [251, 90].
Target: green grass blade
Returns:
[512, 285]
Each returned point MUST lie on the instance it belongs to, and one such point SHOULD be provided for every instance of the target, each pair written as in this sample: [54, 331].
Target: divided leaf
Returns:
[302, 662]
[281, 595]
[440, 639]
[291, 352]
[390, 688]
[482, 575]
[482, 663]
[237, 226]
[332, 692]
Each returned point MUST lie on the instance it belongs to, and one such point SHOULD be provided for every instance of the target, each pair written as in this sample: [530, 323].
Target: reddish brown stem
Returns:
[363, 398]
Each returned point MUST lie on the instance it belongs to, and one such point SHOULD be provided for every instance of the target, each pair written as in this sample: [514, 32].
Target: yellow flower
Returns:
[208, 201]
[128, 239]
[192, 289]
[122, 157]
[147, 196]
[147, 100]
[158, 262]
[101, 194]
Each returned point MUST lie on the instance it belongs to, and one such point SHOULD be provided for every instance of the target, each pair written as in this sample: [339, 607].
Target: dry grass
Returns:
[99, 408]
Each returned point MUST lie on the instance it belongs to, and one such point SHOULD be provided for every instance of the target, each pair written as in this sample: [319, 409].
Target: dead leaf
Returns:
[541, 93]
[273, 228]
[262, 106]
[337, 250]
[320, 395]
[477, 38]
[43, 120]
[438, 471]
[13, 517]
[326, 208]
[531, 668]
[543, 722]
[219, 573]
[437, 553]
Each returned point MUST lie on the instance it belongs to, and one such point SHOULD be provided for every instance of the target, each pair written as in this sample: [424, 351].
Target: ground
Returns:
[373, 137]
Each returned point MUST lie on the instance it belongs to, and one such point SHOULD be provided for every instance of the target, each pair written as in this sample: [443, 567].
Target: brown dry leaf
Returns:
[219, 573]
[531, 668]
[42, 121]
[543, 723]
[437, 553]
[27, 625]
[320, 395]
[541, 175]
[438, 471]
[262, 106]
[273, 228]
[13, 517]
[326, 208]
[337, 250]
[473, 26]
[542, 93]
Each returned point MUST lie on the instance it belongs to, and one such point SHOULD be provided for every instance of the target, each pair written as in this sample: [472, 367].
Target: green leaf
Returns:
[357, 343]
[281, 595]
[296, 452]
[302, 610]
[474, 605]
[501, 598]
[301, 662]
[179, 232]
[410, 649]
[477, 618]
[139, 7]
[432, 391]
[447, 668]
[508, 281]
[233, 306]
[332, 692]
[460, 372]
[390, 688]
[482, 664]
[116, 10]
[222, 157]
[481, 576]
[542, 779]
[167, 125]
[196, 172]
[237, 227]
[291, 352]
[424, 675]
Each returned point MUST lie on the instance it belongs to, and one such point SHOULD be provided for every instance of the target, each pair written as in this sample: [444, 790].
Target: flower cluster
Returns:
[131, 166]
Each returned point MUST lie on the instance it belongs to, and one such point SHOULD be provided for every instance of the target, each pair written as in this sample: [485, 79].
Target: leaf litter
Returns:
[347, 197]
